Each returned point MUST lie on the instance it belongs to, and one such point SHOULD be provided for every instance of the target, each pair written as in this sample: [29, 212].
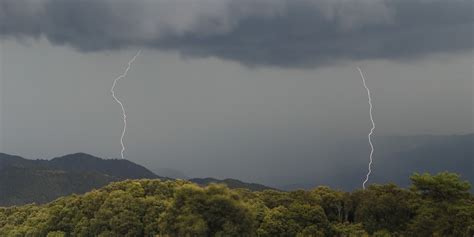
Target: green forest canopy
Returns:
[435, 205]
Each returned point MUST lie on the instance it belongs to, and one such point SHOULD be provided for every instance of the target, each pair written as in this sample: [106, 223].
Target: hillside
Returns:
[26, 181]
[120, 168]
[437, 205]
[231, 183]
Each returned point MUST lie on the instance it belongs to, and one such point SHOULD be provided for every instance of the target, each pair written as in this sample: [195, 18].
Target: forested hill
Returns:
[438, 205]
[231, 183]
[81, 162]
[120, 168]
[25, 181]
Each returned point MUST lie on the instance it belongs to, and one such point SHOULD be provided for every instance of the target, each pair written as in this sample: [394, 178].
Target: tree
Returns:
[332, 201]
[120, 214]
[277, 223]
[446, 207]
[349, 230]
[385, 207]
[297, 219]
[56, 234]
[441, 187]
[210, 211]
[273, 198]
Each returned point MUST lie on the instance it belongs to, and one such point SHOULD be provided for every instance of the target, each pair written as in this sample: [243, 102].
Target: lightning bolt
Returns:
[124, 114]
[371, 129]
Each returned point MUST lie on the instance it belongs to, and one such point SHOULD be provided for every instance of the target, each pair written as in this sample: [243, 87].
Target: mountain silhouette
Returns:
[25, 181]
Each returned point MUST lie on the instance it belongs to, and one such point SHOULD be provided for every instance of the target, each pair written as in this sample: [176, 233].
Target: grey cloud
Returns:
[285, 33]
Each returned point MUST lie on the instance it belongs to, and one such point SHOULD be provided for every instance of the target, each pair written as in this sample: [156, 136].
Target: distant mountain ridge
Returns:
[398, 157]
[432, 154]
[25, 181]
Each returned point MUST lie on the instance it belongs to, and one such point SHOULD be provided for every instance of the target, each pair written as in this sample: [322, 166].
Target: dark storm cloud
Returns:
[289, 33]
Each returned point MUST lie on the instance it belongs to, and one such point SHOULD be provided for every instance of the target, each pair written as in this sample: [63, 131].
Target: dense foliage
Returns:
[435, 205]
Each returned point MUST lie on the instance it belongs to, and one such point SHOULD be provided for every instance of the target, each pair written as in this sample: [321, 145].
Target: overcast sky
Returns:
[250, 89]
